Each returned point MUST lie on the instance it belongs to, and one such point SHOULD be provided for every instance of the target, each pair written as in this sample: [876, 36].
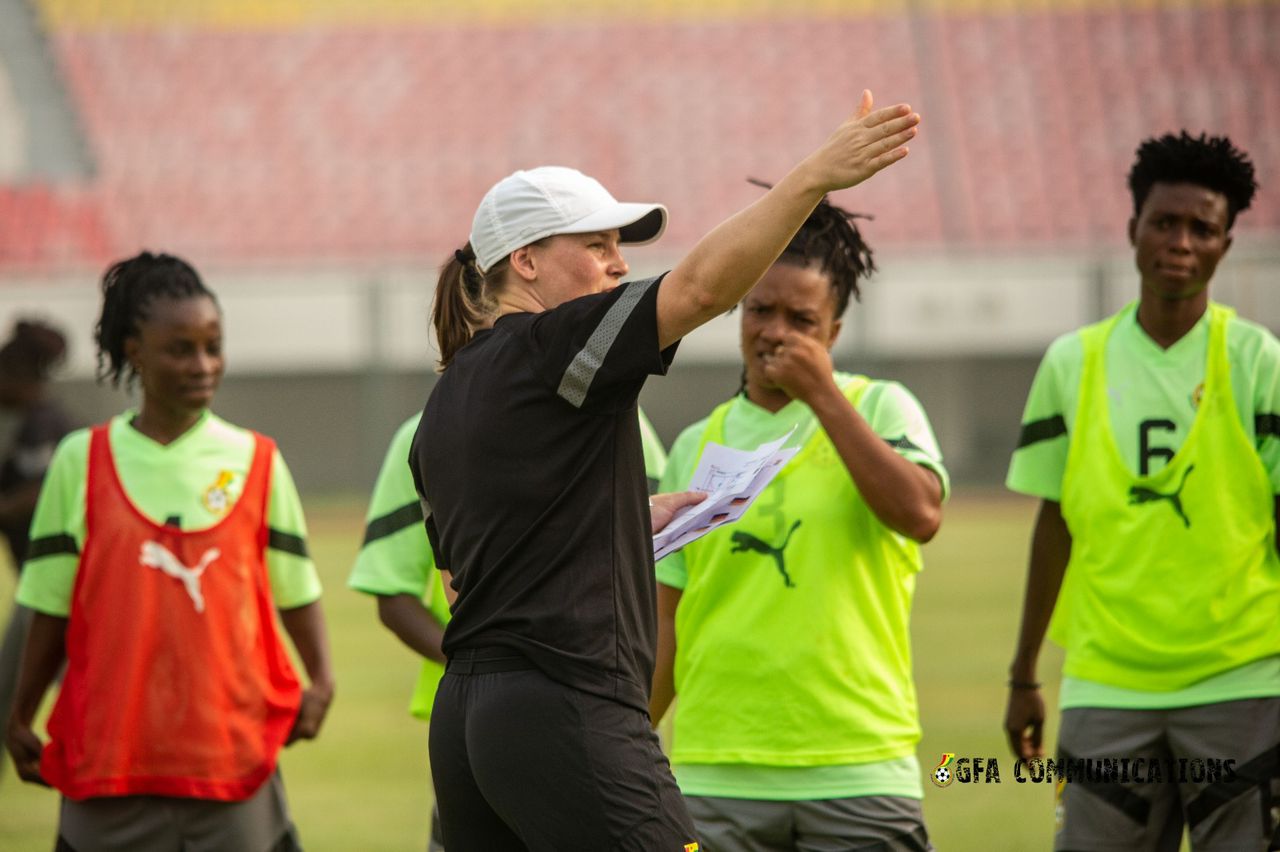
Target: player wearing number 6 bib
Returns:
[1151, 438]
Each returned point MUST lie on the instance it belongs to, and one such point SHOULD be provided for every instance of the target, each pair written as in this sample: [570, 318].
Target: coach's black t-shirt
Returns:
[528, 457]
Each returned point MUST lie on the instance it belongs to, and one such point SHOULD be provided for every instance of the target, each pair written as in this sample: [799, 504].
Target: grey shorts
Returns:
[880, 823]
[166, 824]
[1220, 809]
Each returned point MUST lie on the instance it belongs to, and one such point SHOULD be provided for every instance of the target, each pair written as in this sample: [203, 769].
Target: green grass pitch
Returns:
[364, 784]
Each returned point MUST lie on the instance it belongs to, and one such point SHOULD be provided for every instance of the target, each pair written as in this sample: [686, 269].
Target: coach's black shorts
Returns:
[520, 761]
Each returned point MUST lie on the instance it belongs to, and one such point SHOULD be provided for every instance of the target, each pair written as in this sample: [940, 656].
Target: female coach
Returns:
[528, 460]
[162, 545]
[786, 634]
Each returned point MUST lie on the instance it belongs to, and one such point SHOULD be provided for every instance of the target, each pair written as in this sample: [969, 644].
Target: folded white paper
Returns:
[733, 479]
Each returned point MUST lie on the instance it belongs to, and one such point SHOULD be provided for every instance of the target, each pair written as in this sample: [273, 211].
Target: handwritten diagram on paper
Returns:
[732, 479]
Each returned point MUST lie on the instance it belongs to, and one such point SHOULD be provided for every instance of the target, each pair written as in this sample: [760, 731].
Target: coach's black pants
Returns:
[520, 761]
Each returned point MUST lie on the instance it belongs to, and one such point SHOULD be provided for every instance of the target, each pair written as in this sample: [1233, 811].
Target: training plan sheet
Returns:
[732, 480]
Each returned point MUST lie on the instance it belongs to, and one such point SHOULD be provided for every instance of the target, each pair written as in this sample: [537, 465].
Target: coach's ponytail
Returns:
[460, 305]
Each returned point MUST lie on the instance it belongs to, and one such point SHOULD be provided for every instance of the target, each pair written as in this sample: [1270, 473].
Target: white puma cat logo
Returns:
[156, 555]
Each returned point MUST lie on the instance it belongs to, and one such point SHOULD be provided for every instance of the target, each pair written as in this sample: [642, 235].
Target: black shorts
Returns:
[520, 761]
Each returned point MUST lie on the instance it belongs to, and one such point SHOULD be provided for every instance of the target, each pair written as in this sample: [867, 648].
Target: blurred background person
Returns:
[164, 541]
[38, 421]
[785, 636]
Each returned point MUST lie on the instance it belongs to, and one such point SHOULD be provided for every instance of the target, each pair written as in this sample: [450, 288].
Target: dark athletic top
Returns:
[529, 461]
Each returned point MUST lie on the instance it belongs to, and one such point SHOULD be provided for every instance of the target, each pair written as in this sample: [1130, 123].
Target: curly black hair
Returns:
[831, 241]
[128, 289]
[1209, 161]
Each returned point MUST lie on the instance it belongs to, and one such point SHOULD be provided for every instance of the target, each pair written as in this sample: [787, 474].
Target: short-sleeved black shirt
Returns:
[529, 460]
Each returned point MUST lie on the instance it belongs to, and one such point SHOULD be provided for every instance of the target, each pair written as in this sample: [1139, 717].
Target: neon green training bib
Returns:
[793, 645]
[1173, 577]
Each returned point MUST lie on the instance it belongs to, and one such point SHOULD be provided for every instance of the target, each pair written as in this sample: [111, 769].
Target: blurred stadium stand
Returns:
[318, 160]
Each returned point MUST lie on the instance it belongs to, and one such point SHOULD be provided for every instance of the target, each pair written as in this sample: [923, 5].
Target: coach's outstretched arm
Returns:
[728, 262]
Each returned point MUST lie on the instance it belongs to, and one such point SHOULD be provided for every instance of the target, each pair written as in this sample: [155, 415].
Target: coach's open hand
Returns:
[861, 146]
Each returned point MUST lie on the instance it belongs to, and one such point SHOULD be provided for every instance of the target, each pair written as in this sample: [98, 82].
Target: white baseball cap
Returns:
[527, 206]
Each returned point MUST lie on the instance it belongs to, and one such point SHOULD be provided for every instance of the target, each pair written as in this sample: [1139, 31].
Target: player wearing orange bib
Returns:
[162, 545]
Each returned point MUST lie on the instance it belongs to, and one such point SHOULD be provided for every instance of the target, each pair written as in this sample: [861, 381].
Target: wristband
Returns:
[1023, 684]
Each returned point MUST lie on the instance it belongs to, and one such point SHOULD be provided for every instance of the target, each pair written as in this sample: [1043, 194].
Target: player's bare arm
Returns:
[1050, 552]
[664, 682]
[42, 658]
[305, 626]
[413, 624]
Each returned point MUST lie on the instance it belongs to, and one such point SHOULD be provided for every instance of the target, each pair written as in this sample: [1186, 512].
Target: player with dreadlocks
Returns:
[162, 545]
[1151, 440]
[785, 635]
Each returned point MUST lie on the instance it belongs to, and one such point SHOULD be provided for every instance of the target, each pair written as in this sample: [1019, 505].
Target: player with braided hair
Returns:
[785, 636]
[1152, 439]
[129, 290]
[831, 239]
[163, 543]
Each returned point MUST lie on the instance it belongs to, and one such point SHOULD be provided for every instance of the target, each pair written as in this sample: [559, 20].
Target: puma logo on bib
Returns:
[156, 555]
[1139, 494]
[744, 541]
